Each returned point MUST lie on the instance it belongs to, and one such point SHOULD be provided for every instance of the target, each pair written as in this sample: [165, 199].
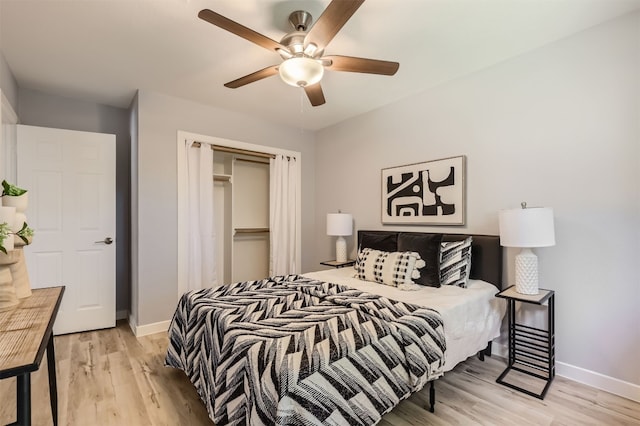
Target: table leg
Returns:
[512, 331]
[53, 388]
[24, 399]
[432, 396]
[552, 337]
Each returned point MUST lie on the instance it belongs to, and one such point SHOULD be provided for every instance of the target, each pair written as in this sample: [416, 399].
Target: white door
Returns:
[70, 177]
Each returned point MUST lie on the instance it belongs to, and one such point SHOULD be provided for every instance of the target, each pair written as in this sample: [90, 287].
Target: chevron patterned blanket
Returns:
[290, 350]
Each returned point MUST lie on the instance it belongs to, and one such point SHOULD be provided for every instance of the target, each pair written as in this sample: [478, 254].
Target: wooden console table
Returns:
[25, 333]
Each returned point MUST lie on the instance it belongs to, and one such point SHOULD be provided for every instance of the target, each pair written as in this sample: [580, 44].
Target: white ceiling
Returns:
[103, 50]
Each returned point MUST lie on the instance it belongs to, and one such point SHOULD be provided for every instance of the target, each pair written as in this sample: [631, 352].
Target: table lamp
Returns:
[340, 225]
[527, 228]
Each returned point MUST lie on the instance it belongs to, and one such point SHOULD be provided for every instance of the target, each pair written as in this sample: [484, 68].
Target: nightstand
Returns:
[336, 264]
[531, 350]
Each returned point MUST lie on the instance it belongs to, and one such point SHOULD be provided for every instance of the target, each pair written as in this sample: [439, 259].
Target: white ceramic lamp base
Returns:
[341, 249]
[527, 272]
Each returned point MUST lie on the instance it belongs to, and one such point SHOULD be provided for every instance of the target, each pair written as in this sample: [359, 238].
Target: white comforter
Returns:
[472, 316]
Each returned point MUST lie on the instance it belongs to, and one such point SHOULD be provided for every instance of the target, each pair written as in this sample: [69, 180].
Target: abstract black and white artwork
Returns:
[429, 193]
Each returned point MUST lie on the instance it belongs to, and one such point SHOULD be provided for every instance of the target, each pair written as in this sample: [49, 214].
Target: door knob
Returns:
[106, 241]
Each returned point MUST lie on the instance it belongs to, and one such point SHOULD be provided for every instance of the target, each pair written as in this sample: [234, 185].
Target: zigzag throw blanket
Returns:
[295, 351]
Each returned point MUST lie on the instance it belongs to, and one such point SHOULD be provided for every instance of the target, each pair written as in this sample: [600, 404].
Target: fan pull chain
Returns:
[302, 96]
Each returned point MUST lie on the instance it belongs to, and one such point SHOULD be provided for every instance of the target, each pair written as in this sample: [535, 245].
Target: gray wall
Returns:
[557, 127]
[8, 83]
[41, 109]
[9, 89]
[159, 119]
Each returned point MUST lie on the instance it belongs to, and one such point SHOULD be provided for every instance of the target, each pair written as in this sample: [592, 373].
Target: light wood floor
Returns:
[109, 377]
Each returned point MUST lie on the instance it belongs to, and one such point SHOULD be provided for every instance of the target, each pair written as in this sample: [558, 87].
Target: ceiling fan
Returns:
[302, 49]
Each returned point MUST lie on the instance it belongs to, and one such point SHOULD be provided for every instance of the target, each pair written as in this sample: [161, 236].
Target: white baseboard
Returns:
[120, 315]
[587, 377]
[600, 381]
[147, 329]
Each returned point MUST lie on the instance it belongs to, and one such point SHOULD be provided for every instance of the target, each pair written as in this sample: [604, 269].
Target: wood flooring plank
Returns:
[62, 379]
[8, 398]
[109, 377]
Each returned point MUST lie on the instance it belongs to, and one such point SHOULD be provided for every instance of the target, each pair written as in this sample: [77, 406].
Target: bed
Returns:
[329, 348]
[472, 315]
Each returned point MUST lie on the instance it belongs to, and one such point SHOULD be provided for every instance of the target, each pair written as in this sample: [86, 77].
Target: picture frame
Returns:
[428, 193]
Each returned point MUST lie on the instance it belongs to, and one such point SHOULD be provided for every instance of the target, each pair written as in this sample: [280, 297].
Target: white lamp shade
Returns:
[528, 227]
[301, 71]
[339, 224]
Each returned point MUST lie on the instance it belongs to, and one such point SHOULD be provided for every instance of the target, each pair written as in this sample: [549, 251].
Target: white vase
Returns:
[8, 298]
[20, 202]
[20, 276]
[8, 243]
[19, 242]
[19, 221]
[7, 214]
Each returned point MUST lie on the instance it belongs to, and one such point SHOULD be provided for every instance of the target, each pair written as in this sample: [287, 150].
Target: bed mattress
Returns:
[472, 316]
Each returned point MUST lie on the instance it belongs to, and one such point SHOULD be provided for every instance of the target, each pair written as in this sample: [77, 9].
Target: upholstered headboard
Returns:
[486, 252]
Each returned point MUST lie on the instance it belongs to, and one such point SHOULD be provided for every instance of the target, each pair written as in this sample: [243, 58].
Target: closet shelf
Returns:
[221, 177]
[251, 230]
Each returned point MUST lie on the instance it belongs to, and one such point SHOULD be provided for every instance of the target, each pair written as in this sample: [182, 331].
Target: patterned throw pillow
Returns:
[455, 262]
[391, 268]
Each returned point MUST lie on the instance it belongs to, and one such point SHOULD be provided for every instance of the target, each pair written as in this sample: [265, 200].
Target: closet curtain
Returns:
[201, 267]
[284, 177]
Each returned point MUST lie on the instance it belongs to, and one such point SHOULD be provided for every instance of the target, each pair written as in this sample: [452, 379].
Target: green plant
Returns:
[25, 233]
[5, 232]
[8, 189]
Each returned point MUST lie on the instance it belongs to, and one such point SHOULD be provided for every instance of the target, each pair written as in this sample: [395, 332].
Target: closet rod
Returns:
[246, 160]
[251, 230]
[236, 150]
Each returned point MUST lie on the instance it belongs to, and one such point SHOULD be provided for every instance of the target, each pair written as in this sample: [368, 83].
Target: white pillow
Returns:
[395, 269]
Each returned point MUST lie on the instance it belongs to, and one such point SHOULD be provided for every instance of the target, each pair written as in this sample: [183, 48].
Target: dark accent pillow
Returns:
[377, 241]
[428, 247]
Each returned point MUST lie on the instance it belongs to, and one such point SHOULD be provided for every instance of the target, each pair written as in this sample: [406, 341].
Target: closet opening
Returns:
[250, 226]
[241, 215]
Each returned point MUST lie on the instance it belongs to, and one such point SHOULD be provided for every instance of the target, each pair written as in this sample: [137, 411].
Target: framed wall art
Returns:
[429, 193]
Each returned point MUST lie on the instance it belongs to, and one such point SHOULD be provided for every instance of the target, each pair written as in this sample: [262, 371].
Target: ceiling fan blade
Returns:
[315, 95]
[364, 65]
[331, 21]
[239, 30]
[255, 76]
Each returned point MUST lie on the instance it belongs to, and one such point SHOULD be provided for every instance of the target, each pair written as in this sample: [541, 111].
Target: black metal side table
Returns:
[531, 350]
[338, 264]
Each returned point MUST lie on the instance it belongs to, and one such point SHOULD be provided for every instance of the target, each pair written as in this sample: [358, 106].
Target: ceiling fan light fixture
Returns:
[301, 71]
[310, 50]
[302, 50]
[284, 54]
